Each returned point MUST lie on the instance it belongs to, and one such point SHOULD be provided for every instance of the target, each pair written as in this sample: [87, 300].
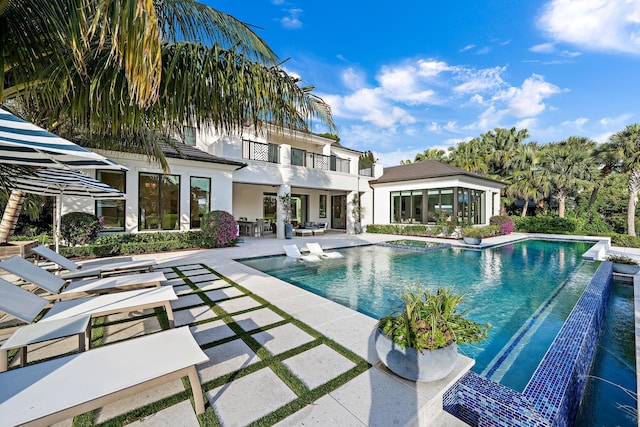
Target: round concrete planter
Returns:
[626, 268]
[472, 240]
[414, 365]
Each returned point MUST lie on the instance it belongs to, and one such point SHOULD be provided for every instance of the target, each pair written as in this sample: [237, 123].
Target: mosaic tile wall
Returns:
[553, 394]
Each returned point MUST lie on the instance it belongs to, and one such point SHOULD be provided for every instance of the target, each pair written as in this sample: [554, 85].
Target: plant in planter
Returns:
[623, 264]
[419, 341]
[356, 211]
[474, 235]
[287, 201]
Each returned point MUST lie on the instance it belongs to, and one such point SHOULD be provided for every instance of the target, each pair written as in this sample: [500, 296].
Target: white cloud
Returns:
[543, 48]
[353, 79]
[401, 84]
[578, 123]
[389, 117]
[604, 25]
[292, 21]
[467, 47]
[527, 101]
[431, 68]
[480, 80]
[527, 123]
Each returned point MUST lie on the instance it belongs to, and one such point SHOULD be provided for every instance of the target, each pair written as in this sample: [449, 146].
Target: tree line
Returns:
[585, 179]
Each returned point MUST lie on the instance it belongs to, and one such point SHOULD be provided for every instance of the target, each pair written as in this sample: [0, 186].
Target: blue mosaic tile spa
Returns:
[553, 394]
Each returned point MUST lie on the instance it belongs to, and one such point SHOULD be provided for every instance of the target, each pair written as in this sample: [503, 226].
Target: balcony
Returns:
[260, 151]
[318, 161]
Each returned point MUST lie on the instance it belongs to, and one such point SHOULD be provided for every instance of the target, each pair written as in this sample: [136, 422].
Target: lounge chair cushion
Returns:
[316, 249]
[32, 273]
[292, 251]
[76, 271]
[58, 389]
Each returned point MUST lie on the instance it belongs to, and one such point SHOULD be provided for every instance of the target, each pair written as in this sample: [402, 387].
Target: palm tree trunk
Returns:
[562, 199]
[10, 216]
[631, 218]
[524, 209]
[634, 187]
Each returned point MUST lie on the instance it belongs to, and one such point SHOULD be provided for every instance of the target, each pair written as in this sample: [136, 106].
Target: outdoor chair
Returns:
[26, 306]
[292, 251]
[316, 249]
[52, 391]
[79, 271]
[63, 289]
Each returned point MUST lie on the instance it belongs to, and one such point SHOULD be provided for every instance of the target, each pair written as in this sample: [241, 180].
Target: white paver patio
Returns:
[318, 365]
[282, 338]
[249, 398]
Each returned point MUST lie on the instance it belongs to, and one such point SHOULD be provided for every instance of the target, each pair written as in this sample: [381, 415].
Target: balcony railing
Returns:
[319, 161]
[260, 151]
[366, 171]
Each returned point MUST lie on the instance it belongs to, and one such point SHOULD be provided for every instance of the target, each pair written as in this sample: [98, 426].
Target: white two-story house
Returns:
[242, 174]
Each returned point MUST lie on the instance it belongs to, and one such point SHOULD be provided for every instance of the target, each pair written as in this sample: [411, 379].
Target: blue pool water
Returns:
[525, 290]
[609, 398]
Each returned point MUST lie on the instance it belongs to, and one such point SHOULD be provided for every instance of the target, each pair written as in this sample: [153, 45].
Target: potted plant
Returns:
[623, 264]
[419, 341]
[474, 235]
[356, 211]
[287, 202]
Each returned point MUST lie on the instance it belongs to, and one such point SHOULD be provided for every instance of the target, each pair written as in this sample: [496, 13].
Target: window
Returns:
[406, 206]
[112, 211]
[270, 207]
[298, 157]
[200, 193]
[189, 135]
[323, 206]
[159, 202]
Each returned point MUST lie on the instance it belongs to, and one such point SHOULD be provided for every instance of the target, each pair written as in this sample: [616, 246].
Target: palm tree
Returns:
[607, 156]
[431, 154]
[470, 156]
[627, 144]
[118, 71]
[126, 75]
[568, 167]
[526, 180]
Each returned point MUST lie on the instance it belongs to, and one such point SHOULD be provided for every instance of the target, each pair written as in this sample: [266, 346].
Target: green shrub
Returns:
[545, 224]
[219, 229]
[406, 230]
[79, 228]
[480, 232]
[625, 240]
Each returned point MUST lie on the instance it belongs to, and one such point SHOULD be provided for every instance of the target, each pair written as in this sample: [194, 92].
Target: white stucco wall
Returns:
[221, 187]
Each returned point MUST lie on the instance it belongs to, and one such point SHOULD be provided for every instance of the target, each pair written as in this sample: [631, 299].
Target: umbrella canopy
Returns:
[63, 182]
[23, 143]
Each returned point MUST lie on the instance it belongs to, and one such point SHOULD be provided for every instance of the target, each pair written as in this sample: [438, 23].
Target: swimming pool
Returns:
[609, 397]
[525, 290]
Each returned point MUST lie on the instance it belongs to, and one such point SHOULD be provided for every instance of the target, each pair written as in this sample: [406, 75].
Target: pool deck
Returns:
[374, 397]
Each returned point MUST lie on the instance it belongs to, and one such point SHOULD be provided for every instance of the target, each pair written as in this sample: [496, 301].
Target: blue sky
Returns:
[402, 77]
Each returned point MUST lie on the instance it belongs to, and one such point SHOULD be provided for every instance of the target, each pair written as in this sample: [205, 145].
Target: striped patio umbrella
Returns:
[63, 182]
[23, 143]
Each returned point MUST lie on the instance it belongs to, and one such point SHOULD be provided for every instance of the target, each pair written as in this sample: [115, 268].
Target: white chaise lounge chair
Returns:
[49, 392]
[316, 249]
[292, 251]
[62, 289]
[79, 271]
[26, 306]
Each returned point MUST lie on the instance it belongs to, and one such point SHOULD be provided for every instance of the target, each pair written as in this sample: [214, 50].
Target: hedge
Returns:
[139, 243]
